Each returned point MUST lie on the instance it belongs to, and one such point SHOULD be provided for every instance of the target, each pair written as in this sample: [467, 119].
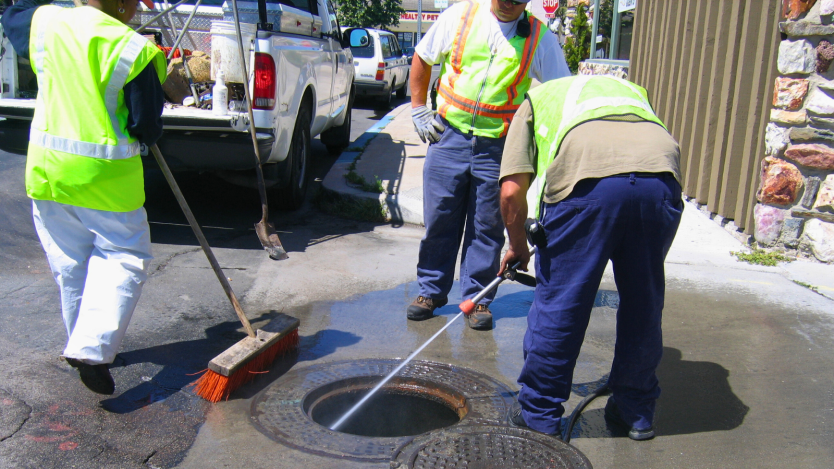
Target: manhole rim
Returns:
[479, 404]
[452, 396]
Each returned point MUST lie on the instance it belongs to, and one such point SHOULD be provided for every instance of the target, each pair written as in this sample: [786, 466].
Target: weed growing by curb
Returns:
[349, 207]
[807, 285]
[359, 181]
[760, 257]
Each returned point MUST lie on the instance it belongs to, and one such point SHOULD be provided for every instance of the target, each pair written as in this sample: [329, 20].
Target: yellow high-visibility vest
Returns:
[481, 89]
[560, 105]
[79, 150]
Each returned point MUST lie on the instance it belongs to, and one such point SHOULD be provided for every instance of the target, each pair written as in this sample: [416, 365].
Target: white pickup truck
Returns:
[304, 88]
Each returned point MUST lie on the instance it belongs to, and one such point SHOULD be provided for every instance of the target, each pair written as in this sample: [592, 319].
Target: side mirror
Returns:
[356, 38]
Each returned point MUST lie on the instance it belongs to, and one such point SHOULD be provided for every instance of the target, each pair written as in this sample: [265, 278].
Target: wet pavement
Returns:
[746, 373]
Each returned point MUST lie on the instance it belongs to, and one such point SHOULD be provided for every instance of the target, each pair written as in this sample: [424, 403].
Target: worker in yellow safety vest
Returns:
[489, 51]
[604, 175]
[99, 96]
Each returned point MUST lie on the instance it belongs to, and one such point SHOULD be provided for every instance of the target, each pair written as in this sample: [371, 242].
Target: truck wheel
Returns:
[290, 196]
[337, 138]
[403, 91]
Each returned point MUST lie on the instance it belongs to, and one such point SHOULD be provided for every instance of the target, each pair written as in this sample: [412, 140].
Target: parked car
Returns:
[381, 68]
[409, 53]
[302, 80]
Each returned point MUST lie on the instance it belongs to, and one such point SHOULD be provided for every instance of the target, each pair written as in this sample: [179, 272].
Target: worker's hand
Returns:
[427, 127]
[522, 256]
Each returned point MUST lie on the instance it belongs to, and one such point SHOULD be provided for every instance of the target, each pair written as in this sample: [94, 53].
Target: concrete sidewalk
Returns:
[392, 152]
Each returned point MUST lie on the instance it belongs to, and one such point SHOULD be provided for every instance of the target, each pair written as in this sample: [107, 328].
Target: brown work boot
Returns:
[423, 308]
[480, 319]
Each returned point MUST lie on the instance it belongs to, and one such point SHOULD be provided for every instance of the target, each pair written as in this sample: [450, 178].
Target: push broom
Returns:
[256, 352]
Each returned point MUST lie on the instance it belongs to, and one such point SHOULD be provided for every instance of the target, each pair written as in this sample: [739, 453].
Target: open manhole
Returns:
[300, 406]
[487, 447]
[403, 407]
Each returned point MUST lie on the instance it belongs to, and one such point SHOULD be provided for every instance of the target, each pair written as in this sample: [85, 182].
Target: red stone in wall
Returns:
[781, 182]
[789, 93]
[793, 9]
[813, 156]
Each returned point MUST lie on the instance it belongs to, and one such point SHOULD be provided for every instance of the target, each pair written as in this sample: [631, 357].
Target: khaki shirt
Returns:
[594, 149]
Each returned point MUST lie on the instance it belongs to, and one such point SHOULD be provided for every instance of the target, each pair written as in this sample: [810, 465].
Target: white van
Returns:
[382, 68]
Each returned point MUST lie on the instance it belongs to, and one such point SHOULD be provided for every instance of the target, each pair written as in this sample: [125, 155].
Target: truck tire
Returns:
[290, 195]
[337, 138]
[403, 91]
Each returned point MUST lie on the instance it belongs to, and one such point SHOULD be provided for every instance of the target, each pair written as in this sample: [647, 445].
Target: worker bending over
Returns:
[606, 172]
[99, 96]
[489, 50]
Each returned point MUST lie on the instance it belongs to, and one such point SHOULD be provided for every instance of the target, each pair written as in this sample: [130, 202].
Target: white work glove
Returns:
[427, 127]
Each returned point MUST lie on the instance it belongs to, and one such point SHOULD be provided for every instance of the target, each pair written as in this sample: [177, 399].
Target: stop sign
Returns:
[550, 6]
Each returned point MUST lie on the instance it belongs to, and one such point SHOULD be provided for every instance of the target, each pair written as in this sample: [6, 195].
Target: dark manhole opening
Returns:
[403, 407]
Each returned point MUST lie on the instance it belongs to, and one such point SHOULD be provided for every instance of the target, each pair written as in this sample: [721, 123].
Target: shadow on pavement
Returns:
[227, 215]
[183, 361]
[696, 397]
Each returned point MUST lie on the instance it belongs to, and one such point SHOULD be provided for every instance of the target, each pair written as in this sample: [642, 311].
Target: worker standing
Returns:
[489, 50]
[99, 96]
[606, 173]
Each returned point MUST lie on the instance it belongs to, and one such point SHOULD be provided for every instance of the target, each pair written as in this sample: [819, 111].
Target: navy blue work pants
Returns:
[631, 220]
[461, 200]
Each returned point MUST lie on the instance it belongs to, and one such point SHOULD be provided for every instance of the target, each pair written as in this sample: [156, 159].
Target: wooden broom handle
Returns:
[203, 243]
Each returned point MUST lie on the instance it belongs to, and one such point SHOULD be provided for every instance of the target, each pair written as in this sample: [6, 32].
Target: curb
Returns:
[393, 206]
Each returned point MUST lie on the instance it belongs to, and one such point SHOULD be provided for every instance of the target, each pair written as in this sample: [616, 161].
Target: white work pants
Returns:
[100, 261]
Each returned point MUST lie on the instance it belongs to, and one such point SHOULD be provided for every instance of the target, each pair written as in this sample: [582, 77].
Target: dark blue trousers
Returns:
[631, 220]
[461, 200]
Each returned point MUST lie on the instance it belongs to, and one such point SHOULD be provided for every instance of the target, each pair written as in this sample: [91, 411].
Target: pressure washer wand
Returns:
[465, 308]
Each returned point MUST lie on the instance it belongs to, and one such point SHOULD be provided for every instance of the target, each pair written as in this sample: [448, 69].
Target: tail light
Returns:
[264, 96]
[380, 71]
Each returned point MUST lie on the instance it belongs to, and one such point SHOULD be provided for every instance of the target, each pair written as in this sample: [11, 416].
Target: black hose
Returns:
[602, 391]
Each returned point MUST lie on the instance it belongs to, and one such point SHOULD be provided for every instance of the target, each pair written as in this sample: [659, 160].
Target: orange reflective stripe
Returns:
[443, 108]
[487, 110]
[460, 40]
[498, 109]
[526, 58]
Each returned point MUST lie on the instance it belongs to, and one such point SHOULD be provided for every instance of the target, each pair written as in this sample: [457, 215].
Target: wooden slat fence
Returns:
[709, 67]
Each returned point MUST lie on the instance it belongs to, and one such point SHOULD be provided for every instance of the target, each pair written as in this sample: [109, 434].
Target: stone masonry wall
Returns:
[795, 207]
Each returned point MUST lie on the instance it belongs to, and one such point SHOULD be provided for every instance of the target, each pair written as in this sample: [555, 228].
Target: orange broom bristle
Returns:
[213, 386]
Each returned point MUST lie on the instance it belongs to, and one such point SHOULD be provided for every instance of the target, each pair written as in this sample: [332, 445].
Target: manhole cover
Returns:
[289, 409]
[487, 447]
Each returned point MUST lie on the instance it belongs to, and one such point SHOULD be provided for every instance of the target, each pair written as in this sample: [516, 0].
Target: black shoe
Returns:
[517, 420]
[612, 414]
[97, 378]
[480, 319]
[423, 308]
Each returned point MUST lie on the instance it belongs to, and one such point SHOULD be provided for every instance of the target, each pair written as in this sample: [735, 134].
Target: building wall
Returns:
[744, 92]
[795, 206]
